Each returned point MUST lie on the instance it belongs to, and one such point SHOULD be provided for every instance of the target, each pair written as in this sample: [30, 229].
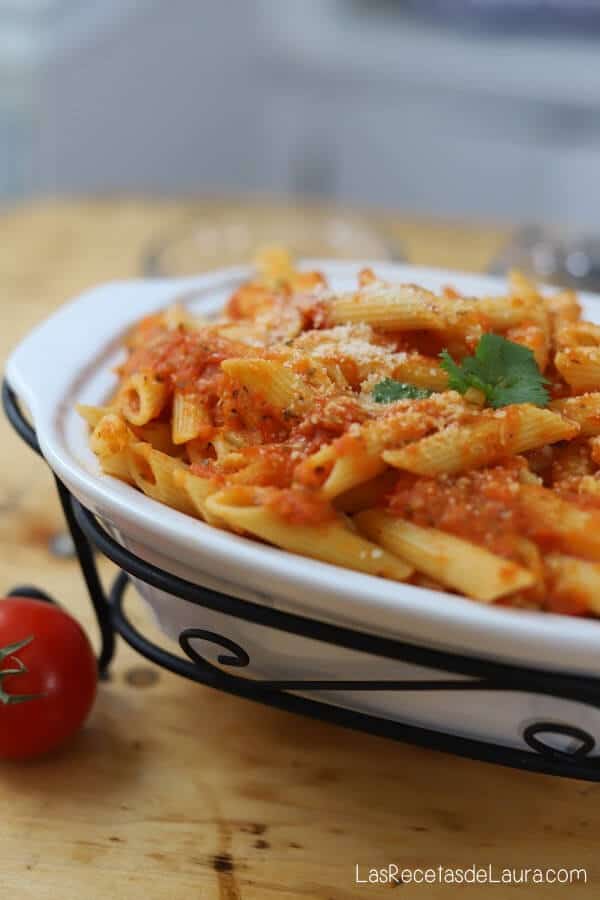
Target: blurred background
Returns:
[468, 109]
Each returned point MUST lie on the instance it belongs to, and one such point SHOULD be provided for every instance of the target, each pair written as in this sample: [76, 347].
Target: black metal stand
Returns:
[484, 674]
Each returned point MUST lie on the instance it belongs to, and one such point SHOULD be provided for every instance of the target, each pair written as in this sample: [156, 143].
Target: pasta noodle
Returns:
[142, 398]
[449, 441]
[110, 441]
[422, 371]
[152, 471]
[92, 414]
[272, 381]
[190, 417]
[405, 308]
[580, 367]
[330, 541]
[585, 410]
[448, 559]
[575, 580]
[483, 443]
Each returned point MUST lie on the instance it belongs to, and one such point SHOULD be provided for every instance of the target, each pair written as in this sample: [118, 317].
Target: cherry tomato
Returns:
[48, 677]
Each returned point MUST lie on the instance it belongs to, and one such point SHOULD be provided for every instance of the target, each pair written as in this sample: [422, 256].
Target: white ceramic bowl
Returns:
[69, 359]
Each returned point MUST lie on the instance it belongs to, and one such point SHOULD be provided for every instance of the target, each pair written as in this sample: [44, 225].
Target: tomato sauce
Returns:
[207, 468]
[481, 506]
[300, 507]
[181, 357]
[272, 464]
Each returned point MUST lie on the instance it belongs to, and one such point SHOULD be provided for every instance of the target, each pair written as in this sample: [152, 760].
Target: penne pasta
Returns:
[274, 265]
[190, 417]
[142, 398]
[564, 310]
[198, 489]
[503, 313]
[158, 435]
[365, 494]
[177, 316]
[110, 441]
[331, 541]
[522, 286]
[422, 371]
[359, 456]
[571, 460]
[152, 471]
[450, 560]
[92, 414]
[403, 308]
[483, 443]
[579, 334]
[574, 582]
[564, 307]
[589, 485]
[585, 410]
[558, 523]
[580, 367]
[351, 470]
[271, 381]
[536, 338]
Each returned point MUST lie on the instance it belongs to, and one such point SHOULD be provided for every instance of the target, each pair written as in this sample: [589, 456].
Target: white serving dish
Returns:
[68, 359]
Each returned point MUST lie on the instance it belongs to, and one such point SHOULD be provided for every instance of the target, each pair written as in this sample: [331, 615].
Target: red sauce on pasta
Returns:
[481, 506]
[301, 507]
[181, 357]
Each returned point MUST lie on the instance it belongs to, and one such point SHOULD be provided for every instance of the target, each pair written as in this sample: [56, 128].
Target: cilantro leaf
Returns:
[506, 373]
[389, 390]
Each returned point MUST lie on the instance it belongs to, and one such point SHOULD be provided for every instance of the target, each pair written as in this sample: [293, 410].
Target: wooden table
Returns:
[175, 791]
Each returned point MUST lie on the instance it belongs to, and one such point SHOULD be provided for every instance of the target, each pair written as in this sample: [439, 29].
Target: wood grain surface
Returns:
[174, 791]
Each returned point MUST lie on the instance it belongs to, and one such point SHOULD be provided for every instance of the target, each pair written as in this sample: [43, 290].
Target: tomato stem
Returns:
[8, 652]
[10, 649]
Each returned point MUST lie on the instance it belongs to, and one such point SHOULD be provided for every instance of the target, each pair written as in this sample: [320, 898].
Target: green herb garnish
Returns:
[389, 390]
[504, 371]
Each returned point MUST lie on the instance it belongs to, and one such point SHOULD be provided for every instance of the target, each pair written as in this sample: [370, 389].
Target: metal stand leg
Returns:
[87, 564]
